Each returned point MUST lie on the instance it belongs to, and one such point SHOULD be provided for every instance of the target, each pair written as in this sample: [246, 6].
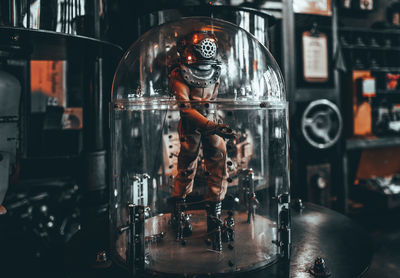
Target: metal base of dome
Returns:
[252, 248]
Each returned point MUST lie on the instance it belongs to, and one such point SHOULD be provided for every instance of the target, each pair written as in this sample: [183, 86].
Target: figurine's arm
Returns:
[204, 125]
[182, 92]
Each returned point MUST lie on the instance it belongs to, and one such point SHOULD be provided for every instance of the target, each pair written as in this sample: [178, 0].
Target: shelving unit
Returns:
[371, 142]
[376, 51]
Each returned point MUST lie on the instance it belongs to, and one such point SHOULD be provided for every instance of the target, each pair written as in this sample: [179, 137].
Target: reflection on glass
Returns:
[199, 151]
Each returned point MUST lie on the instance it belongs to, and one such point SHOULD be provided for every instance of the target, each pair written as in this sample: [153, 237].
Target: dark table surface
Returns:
[321, 232]
[316, 232]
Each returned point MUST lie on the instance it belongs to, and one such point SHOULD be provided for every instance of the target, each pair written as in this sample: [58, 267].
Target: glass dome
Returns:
[200, 181]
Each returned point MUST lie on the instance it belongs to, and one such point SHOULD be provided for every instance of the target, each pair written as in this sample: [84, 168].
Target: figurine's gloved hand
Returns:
[225, 132]
[220, 129]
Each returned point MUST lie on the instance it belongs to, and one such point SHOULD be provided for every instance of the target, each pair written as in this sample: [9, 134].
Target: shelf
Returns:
[372, 142]
[367, 47]
[388, 92]
[49, 45]
[385, 69]
[382, 69]
[370, 30]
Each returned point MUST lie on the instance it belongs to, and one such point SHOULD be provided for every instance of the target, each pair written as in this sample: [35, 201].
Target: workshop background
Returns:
[57, 62]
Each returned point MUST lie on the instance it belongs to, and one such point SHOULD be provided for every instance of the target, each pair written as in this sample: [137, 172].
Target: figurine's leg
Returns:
[214, 151]
[179, 219]
[187, 162]
[214, 224]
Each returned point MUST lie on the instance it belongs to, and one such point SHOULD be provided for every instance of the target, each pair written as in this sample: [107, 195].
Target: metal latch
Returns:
[284, 230]
[135, 234]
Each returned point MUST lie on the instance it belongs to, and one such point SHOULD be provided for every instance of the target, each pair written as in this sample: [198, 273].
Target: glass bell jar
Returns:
[199, 144]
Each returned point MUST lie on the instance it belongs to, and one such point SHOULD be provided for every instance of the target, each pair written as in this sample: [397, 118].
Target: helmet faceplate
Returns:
[198, 48]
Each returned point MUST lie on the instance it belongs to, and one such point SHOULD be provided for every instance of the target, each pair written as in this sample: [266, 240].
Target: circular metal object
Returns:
[322, 124]
[208, 48]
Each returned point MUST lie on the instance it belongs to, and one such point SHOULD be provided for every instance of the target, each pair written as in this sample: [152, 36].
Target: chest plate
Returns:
[198, 78]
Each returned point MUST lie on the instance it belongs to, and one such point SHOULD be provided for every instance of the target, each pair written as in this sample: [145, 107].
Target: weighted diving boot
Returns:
[180, 220]
[214, 224]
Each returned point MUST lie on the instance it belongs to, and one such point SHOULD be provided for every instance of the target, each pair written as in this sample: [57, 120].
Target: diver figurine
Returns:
[228, 233]
[194, 84]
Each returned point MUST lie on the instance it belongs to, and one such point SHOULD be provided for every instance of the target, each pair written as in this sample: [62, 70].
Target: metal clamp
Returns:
[246, 181]
[140, 188]
[284, 229]
[135, 245]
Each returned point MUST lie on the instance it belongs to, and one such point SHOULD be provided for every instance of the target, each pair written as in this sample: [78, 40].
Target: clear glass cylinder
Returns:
[199, 151]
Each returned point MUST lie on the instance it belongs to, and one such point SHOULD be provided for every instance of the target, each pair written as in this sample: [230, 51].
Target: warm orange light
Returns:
[189, 58]
[195, 39]
[255, 65]
[48, 78]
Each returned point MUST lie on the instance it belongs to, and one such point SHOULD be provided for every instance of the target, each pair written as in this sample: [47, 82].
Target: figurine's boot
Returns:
[214, 224]
[180, 220]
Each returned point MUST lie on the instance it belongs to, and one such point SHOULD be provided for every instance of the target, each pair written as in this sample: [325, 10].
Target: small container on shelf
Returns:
[374, 41]
[392, 81]
[387, 42]
[346, 40]
[360, 40]
[376, 60]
